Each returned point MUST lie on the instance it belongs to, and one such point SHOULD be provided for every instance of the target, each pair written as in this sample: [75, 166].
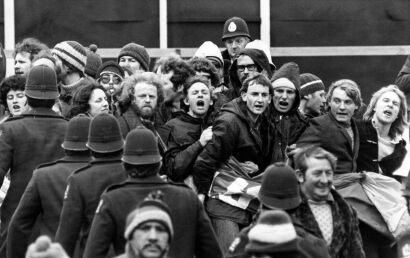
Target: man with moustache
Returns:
[144, 94]
[187, 134]
[312, 95]
[241, 138]
[323, 211]
[250, 61]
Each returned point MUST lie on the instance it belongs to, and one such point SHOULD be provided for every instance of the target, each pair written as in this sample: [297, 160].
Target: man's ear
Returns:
[300, 176]
[243, 95]
[186, 102]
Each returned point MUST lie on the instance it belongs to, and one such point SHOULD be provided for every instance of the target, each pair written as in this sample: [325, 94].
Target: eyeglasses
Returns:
[106, 78]
[250, 67]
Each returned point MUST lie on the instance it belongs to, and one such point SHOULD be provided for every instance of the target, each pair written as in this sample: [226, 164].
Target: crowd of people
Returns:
[221, 155]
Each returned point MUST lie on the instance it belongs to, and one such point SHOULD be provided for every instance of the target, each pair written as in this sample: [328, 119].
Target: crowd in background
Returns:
[226, 154]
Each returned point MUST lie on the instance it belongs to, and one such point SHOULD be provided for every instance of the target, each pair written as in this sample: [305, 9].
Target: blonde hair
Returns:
[398, 125]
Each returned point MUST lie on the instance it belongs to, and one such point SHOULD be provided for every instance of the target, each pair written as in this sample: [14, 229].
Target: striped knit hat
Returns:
[310, 83]
[73, 53]
[273, 233]
[150, 209]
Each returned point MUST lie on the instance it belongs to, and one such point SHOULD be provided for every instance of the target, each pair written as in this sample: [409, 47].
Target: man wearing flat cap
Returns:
[28, 140]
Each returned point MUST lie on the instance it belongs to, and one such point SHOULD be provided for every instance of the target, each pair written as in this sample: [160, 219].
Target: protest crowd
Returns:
[226, 154]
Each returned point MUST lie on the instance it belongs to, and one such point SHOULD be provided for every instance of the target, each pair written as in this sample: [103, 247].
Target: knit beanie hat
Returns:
[273, 233]
[287, 76]
[76, 135]
[94, 61]
[110, 66]
[136, 51]
[279, 187]
[150, 209]
[310, 83]
[141, 147]
[105, 134]
[234, 27]
[41, 83]
[259, 44]
[73, 53]
[209, 49]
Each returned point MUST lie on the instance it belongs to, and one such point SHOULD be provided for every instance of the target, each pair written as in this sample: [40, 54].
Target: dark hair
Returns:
[192, 80]
[140, 171]
[182, 71]
[30, 45]
[81, 97]
[314, 152]
[201, 64]
[257, 79]
[14, 82]
[38, 103]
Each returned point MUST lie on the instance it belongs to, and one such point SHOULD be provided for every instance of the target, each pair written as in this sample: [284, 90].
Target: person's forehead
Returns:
[318, 164]
[244, 60]
[127, 57]
[197, 86]
[340, 93]
[257, 87]
[236, 38]
[22, 55]
[144, 87]
[390, 95]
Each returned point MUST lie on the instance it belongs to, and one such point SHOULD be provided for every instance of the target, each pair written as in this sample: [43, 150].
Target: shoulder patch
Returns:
[99, 206]
[234, 244]
[66, 192]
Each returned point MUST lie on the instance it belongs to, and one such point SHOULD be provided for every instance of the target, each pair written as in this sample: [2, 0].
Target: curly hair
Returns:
[201, 64]
[30, 45]
[128, 88]
[397, 127]
[182, 71]
[14, 82]
[81, 97]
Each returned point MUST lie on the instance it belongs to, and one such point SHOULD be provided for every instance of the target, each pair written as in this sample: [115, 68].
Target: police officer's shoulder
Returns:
[117, 186]
[178, 184]
[82, 169]
[47, 164]
[13, 118]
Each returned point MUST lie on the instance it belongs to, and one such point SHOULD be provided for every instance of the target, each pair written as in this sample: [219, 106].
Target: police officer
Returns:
[28, 140]
[141, 160]
[87, 184]
[43, 197]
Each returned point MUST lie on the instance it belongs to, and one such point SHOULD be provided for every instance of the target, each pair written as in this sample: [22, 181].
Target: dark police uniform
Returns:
[81, 199]
[25, 142]
[42, 198]
[194, 235]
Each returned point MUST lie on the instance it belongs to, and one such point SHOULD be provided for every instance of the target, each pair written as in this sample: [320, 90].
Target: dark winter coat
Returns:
[26, 141]
[129, 121]
[182, 138]
[312, 245]
[368, 152]
[194, 235]
[66, 95]
[403, 79]
[326, 132]
[346, 239]
[43, 199]
[81, 199]
[233, 134]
